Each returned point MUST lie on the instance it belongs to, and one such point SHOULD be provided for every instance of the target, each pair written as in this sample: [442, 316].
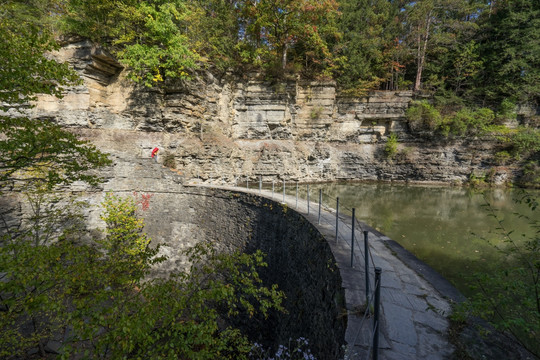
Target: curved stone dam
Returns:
[299, 259]
[326, 296]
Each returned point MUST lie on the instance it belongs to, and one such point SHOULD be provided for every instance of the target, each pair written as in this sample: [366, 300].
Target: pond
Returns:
[448, 228]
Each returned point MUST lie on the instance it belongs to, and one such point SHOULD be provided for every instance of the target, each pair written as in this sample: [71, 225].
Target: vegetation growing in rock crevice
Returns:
[390, 148]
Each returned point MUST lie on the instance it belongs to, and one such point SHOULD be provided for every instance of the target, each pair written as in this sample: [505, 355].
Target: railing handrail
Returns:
[341, 221]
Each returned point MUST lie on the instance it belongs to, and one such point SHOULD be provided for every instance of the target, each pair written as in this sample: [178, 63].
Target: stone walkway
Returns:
[413, 324]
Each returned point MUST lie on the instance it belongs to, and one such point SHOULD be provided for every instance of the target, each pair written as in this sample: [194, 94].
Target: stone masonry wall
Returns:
[299, 259]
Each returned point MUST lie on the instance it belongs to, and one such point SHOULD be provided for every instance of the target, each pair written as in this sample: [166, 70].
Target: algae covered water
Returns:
[451, 229]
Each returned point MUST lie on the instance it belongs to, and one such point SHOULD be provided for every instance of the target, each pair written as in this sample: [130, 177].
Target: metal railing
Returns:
[346, 228]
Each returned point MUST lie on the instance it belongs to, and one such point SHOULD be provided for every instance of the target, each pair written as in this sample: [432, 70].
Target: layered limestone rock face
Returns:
[231, 129]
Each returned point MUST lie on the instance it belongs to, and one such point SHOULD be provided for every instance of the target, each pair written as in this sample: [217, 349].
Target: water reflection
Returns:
[448, 228]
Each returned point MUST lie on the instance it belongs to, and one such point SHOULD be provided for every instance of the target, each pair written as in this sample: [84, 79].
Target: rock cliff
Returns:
[230, 129]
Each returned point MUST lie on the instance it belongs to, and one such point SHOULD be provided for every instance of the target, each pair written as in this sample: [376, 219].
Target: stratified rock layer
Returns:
[230, 129]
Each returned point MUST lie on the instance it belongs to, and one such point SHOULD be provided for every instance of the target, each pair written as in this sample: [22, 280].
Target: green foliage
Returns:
[502, 157]
[390, 148]
[478, 181]
[36, 261]
[287, 35]
[511, 52]
[127, 247]
[423, 117]
[369, 52]
[102, 292]
[481, 52]
[531, 175]
[524, 142]
[426, 119]
[509, 298]
[25, 70]
[36, 149]
[467, 122]
[213, 33]
[466, 65]
[157, 47]
[39, 150]
[148, 37]
[316, 112]
[506, 110]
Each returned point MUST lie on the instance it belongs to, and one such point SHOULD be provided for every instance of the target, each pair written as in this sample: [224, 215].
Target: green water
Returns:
[448, 228]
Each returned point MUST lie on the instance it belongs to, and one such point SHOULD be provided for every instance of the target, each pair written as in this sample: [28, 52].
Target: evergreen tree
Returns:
[510, 48]
[437, 32]
[369, 50]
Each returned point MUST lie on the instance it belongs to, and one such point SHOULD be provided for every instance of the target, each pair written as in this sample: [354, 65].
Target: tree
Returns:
[102, 292]
[510, 48]
[214, 32]
[436, 31]
[273, 29]
[149, 37]
[28, 145]
[368, 47]
[36, 261]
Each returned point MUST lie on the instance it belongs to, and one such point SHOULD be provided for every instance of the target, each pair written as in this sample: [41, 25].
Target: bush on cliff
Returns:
[428, 120]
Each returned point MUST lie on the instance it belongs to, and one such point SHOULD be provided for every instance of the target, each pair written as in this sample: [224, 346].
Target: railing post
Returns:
[352, 237]
[297, 194]
[337, 219]
[320, 202]
[284, 191]
[366, 262]
[376, 321]
[260, 184]
[308, 199]
[272, 189]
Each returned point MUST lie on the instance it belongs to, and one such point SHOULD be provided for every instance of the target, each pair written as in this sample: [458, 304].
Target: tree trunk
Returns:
[421, 53]
[284, 57]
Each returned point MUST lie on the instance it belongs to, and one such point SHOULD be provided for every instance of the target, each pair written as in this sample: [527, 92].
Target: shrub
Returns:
[467, 122]
[390, 149]
[102, 292]
[506, 111]
[316, 112]
[525, 141]
[423, 117]
[477, 181]
[502, 157]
